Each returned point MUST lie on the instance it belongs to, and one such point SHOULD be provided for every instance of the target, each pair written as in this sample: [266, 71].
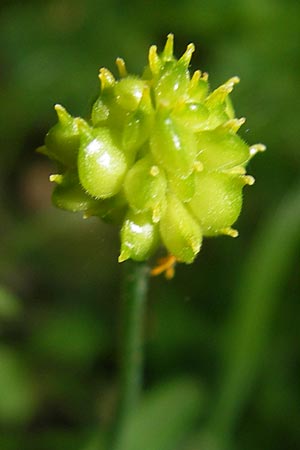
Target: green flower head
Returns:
[159, 155]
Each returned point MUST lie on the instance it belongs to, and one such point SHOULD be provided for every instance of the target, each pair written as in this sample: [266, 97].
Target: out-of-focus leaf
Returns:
[17, 396]
[166, 416]
[250, 325]
[70, 336]
[10, 306]
[95, 442]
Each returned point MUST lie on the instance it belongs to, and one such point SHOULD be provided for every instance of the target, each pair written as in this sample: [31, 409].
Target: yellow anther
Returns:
[165, 265]
[121, 66]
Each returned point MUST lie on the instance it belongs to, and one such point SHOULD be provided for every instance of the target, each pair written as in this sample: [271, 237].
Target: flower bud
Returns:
[62, 140]
[139, 237]
[101, 164]
[145, 187]
[179, 231]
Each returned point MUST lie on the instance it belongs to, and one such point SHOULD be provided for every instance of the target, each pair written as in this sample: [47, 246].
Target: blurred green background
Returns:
[222, 338]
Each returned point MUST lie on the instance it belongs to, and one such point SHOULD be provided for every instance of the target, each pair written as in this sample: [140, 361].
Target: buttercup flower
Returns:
[160, 156]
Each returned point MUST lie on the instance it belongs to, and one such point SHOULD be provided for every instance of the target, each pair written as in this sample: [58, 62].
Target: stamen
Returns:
[165, 265]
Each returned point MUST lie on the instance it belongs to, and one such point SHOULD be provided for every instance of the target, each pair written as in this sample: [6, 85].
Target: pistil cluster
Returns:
[159, 155]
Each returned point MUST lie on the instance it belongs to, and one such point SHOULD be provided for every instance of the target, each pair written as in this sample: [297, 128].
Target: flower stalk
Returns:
[134, 289]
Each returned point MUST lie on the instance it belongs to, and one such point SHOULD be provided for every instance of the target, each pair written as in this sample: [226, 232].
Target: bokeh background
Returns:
[222, 338]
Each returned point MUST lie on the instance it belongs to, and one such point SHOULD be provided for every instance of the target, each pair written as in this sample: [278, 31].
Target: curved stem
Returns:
[133, 302]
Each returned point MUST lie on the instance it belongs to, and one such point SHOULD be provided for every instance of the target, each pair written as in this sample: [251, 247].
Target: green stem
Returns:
[133, 302]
